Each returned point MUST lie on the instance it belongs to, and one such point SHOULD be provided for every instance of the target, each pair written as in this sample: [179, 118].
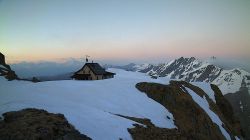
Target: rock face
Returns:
[2, 59]
[241, 103]
[5, 69]
[192, 121]
[155, 133]
[34, 124]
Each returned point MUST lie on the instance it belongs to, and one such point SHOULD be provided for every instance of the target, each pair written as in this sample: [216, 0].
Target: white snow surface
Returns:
[230, 81]
[90, 105]
[206, 87]
[142, 66]
[202, 102]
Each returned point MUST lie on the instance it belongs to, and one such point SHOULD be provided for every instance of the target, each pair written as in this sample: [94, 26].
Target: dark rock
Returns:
[154, 77]
[241, 103]
[5, 70]
[155, 133]
[150, 132]
[223, 104]
[2, 59]
[11, 75]
[35, 80]
[34, 124]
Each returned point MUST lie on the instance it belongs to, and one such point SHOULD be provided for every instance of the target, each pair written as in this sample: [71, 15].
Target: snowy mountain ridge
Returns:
[195, 70]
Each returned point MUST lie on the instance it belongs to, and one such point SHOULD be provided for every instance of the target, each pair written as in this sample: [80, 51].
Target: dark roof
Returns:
[96, 68]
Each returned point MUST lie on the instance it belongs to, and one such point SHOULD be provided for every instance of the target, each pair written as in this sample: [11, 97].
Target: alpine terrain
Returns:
[234, 83]
[131, 105]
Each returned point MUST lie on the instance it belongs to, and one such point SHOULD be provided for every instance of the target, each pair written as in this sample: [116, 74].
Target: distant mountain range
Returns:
[194, 70]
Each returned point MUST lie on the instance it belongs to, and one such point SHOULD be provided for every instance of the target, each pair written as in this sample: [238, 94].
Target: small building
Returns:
[92, 71]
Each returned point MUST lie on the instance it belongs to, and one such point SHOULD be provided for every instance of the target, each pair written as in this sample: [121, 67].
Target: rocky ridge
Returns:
[192, 120]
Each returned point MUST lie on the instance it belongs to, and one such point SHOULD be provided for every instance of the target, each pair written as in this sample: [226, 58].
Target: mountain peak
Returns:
[186, 60]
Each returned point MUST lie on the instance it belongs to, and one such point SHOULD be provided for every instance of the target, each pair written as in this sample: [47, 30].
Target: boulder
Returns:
[35, 124]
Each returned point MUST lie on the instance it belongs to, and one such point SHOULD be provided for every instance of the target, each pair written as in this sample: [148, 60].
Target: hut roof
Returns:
[96, 68]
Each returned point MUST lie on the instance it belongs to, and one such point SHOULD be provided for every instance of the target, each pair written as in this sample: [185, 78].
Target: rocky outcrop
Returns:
[2, 59]
[34, 124]
[224, 105]
[5, 69]
[192, 121]
[155, 133]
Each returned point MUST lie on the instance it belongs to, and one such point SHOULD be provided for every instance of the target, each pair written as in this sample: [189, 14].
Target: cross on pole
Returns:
[87, 58]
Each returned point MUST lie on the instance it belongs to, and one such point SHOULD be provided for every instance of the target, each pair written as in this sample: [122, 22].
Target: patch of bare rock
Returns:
[35, 124]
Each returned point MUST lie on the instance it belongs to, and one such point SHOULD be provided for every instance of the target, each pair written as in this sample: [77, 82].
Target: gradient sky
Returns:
[33, 30]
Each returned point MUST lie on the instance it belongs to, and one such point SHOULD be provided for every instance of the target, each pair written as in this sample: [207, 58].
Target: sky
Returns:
[124, 30]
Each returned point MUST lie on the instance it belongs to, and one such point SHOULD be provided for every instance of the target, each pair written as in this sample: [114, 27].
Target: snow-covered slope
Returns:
[207, 88]
[203, 103]
[90, 105]
[230, 81]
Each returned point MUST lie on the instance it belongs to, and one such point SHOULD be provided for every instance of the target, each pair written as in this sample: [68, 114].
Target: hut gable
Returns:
[92, 71]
